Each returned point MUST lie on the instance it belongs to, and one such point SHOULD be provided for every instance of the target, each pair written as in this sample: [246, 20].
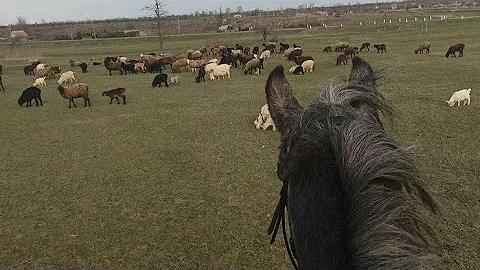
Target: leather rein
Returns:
[279, 215]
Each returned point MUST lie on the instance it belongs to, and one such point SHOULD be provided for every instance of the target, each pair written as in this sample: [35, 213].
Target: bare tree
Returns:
[157, 9]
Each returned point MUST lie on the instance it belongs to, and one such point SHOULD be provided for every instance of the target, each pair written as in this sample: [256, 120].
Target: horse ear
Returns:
[362, 73]
[283, 106]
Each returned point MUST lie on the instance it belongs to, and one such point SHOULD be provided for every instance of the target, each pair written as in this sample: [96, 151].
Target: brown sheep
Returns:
[75, 91]
[115, 93]
[341, 59]
[455, 48]
[350, 51]
[195, 64]
[365, 45]
[196, 55]
[423, 46]
[253, 66]
[112, 64]
[176, 67]
[381, 48]
[340, 46]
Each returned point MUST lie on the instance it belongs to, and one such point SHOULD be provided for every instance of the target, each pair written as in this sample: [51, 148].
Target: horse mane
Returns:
[379, 184]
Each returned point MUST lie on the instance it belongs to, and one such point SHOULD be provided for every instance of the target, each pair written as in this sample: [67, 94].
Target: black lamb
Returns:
[159, 79]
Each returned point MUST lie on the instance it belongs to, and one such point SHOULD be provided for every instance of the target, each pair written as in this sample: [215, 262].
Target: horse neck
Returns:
[318, 217]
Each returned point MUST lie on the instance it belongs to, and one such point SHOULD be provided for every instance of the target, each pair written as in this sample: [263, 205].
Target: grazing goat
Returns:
[115, 93]
[381, 48]
[30, 93]
[459, 96]
[79, 90]
[455, 48]
[159, 79]
[365, 45]
[423, 46]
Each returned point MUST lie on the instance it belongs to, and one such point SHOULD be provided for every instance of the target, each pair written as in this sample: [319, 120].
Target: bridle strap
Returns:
[279, 217]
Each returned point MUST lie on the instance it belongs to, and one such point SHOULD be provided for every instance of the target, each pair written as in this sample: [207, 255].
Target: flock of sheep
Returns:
[222, 59]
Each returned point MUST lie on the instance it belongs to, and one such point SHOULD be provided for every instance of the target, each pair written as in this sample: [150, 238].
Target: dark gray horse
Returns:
[351, 194]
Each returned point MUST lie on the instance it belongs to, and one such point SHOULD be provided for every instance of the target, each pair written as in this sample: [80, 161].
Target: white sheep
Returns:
[40, 82]
[222, 70]
[214, 60]
[264, 119]
[66, 77]
[209, 68]
[265, 54]
[122, 59]
[308, 66]
[39, 68]
[459, 96]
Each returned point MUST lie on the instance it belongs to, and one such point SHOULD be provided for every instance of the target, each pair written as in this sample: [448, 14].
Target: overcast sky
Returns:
[74, 10]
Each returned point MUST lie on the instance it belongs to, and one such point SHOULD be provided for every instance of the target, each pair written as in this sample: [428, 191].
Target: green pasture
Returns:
[180, 178]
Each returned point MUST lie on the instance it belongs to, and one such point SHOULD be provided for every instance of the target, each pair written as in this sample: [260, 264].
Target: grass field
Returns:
[179, 177]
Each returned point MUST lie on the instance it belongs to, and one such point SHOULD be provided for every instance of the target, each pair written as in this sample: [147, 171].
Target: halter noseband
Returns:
[279, 215]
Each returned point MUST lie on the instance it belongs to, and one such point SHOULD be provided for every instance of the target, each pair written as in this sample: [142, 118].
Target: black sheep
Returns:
[97, 63]
[129, 66]
[381, 48]
[83, 66]
[255, 50]
[201, 74]
[298, 70]
[29, 94]
[159, 79]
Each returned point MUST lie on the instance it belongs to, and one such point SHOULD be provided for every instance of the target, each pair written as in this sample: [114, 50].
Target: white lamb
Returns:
[174, 79]
[459, 96]
[66, 77]
[264, 119]
[222, 70]
[308, 66]
[40, 82]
